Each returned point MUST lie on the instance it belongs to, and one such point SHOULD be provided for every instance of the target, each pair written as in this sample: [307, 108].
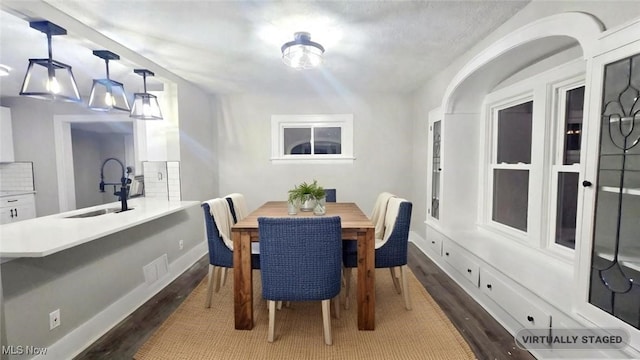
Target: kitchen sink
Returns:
[95, 213]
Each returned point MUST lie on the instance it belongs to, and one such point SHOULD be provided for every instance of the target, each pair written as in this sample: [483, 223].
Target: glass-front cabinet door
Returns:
[614, 279]
[436, 168]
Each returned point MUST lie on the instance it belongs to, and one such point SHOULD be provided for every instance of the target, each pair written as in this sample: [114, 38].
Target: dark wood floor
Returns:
[486, 337]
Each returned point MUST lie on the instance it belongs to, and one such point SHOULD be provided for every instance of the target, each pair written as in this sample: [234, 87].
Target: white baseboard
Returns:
[419, 241]
[86, 334]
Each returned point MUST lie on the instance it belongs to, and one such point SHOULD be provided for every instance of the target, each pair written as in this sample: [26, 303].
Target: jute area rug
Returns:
[194, 332]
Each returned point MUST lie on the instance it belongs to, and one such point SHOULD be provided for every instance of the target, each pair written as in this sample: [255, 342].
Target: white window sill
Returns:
[314, 160]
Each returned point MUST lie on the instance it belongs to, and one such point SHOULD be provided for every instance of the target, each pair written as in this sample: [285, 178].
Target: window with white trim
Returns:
[312, 138]
[511, 164]
[565, 168]
[532, 153]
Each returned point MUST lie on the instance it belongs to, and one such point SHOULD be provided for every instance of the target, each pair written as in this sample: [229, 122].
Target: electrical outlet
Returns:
[54, 319]
[181, 244]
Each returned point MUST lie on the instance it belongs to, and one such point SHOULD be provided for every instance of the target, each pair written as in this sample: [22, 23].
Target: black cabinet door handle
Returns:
[586, 183]
[530, 318]
[16, 212]
[488, 286]
[469, 271]
[11, 212]
[433, 242]
[446, 253]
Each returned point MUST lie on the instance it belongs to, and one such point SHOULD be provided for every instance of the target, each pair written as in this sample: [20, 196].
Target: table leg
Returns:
[366, 280]
[242, 280]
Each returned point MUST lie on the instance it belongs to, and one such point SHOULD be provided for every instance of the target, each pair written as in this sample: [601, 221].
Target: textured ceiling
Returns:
[234, 46]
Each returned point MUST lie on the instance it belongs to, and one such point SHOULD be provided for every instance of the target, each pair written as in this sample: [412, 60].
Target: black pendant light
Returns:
[145, 105]
[47, 78]
[107, 94]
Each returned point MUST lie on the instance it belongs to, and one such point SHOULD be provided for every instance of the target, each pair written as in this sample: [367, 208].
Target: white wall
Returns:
[86, 166]
[199, 115]
[33, 140]
[90, 150]
[382, 125]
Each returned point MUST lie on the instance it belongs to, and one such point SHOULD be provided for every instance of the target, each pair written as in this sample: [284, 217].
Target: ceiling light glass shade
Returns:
[50, 80]
[302, 53]
[47, 78]
[145, 107]
[107, 94]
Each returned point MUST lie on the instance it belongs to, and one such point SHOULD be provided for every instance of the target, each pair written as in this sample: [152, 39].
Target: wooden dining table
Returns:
[355, 226]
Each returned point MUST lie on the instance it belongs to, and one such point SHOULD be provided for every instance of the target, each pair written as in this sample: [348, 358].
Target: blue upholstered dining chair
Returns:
[330, 195]
[220, 255]
[237, 206]
[391, 250]
[300, 260]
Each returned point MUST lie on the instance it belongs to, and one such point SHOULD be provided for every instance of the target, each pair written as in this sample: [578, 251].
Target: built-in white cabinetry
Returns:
[6, 136]
[435, 244]
[512, 301]
[461, 262]
[17, 208]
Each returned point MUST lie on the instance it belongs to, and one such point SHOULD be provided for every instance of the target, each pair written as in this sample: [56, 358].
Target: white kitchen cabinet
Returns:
[6, 136]
[462, 263]
[513, 301]
[17, 208]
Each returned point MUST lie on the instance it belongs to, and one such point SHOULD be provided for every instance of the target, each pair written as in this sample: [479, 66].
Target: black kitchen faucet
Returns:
[124, 183]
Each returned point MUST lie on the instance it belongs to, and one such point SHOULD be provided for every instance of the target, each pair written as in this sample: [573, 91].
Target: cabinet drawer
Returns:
[17, 208]
[18, 200]
[513, 302]
[462, 263]
[435, 244]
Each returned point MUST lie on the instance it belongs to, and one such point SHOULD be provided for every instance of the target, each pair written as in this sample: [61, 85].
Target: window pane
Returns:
[511, 197]
[566, 209]
[573, 127]
[514, 134]
[297, 141]
[327, 140]
[435, 172]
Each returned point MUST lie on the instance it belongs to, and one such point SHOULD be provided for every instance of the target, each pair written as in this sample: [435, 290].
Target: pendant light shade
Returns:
[145, 105]
[47, 78]
[107, 94]
[302, 53]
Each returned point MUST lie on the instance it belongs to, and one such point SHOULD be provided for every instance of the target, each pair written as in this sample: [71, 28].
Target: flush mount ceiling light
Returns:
[145, 105]
[47, 78]
[302, 53]
[107, 94]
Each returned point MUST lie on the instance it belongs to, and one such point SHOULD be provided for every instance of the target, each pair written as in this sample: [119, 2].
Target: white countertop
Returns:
[46, 235]
[16, 192]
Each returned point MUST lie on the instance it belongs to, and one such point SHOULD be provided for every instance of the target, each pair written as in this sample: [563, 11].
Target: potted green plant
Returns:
[306, 195]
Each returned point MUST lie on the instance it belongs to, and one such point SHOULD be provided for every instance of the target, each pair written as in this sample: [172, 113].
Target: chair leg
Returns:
[405, 288]
[394, 277]
[272, 320]
[335, 306]
[210, 281]
[347, 286]
[326, 321]
[217, 273]
[223, 276]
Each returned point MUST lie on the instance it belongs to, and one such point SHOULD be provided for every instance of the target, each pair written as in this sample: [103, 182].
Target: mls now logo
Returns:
[23, 350]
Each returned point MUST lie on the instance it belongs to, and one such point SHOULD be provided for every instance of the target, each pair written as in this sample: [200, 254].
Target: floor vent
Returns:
[156, 269]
